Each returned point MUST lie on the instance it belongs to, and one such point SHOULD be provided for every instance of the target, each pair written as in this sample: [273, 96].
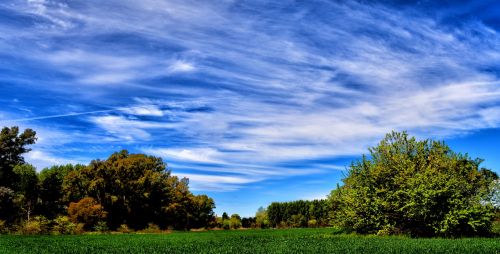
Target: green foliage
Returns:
[27, 188]
[414, 187]
[317, 240]
[12, 146]
[248, 222]
[52, 200]
[298, 213]
[131, 189]
[35, 226]
[101, 226]
[136, 189]
[63, 225]
[9, 205]
[261, 218]
[235, 221]
[312, 223]
[226, 224]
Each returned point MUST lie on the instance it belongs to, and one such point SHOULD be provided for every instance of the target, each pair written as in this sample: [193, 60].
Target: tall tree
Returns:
[12, 146]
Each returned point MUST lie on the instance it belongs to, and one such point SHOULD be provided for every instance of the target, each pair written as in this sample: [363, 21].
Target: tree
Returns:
[235, 221]
[87, 211]
[297, 213]
[261, 219]
[27, 187]
[202, 211]
[12, 147]
[414, 187]
[9, 208]
[136, 189]
[52, 199]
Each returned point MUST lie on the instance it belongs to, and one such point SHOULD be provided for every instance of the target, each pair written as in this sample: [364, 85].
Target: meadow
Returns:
[323, 240]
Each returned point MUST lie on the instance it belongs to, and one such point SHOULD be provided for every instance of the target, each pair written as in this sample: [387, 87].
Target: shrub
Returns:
[124, 229]
[151, 229]
[312, 223]
[3, 227]
[62, 225]
[37, 225]
[101, 227]
[226, 224]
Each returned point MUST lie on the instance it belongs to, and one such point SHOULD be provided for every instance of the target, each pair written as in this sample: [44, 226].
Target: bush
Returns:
[101, 227]
[226, 224]
[3, 227]
[312, 223]
[36, 226]
[124, 229]
[151, 229]
[62, 225]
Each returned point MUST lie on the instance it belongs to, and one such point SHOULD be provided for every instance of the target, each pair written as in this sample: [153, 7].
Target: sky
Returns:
[254, 101]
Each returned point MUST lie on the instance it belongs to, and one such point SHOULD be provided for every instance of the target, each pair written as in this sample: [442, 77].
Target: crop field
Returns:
[243, 241]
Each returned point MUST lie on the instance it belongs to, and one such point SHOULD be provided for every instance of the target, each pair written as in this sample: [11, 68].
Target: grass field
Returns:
[242, 241]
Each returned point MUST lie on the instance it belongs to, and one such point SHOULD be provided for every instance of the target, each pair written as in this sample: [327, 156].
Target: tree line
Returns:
[404, 186]
[124, 191]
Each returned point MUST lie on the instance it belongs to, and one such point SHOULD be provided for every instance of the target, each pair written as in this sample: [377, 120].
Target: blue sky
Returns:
[254, 101]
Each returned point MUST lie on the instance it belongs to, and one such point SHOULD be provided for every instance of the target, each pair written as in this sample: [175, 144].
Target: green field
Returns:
[243, 241]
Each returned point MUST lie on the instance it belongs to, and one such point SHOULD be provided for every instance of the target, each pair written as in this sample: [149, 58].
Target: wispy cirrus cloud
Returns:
[241, 87]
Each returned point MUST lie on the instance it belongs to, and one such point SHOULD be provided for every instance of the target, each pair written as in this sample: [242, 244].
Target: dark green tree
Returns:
[12, 146]
[52, 198]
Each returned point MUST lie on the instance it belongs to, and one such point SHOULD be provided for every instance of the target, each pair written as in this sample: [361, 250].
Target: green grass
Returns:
[243, 241]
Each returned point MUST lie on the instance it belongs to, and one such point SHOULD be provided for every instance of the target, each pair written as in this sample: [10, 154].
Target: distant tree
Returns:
[261, 219]
[248, 222]
[12, 146]
[235, 221]
[414, 187]
[297, 213]
[225, 216]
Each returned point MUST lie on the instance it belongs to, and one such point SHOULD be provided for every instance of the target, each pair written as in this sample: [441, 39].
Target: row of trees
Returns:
[301, 213]
[131, 190]
[405, 186]
[236, 221]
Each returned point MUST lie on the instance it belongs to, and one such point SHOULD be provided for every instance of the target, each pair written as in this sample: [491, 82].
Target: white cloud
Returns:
[298, 87]
[41, 159]
[205, 155]
[144, 110]
[180, 66]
